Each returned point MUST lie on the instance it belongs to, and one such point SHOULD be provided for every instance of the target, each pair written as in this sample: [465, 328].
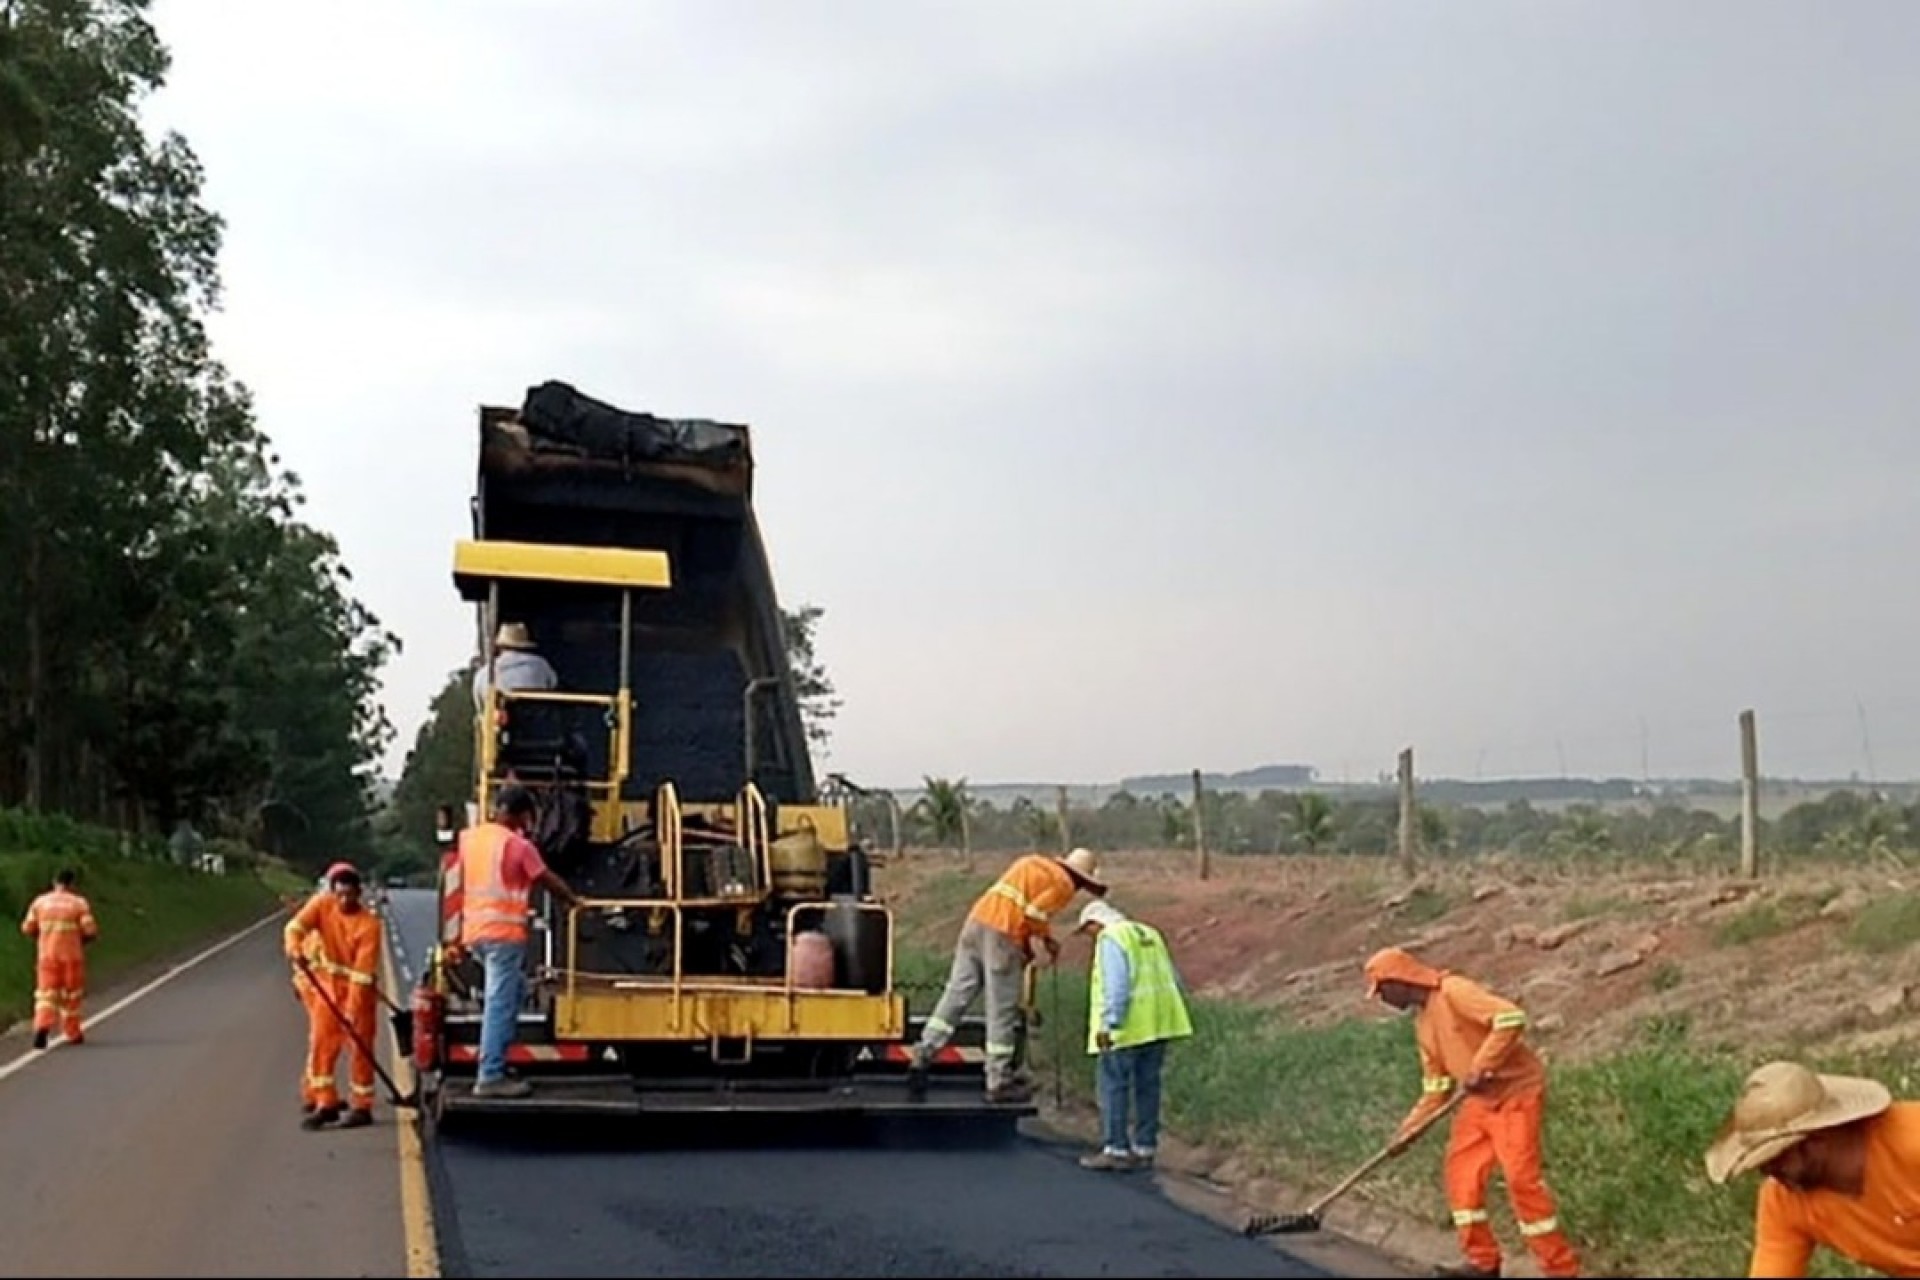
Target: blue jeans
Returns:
[501, 1008]
[1131, 1074]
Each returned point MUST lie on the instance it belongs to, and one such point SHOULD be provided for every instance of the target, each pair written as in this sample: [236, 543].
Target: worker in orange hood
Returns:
[1469, 1039]
[334, 944]
[62, 923]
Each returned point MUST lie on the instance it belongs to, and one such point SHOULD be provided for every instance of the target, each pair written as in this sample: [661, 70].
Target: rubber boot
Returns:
[357, 1118]
[40, 1039]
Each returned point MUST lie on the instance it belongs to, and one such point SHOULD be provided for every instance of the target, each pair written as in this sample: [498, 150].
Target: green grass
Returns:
[1584, 906]
[1624, 1135]
[147, 909]
[1767, 919]
[1426, 905]
[1887, 924]
[1666, 976]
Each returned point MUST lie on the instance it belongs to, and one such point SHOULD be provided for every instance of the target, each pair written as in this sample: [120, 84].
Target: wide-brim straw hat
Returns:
[513, 635]
[1780, 1104]
[1086, 869]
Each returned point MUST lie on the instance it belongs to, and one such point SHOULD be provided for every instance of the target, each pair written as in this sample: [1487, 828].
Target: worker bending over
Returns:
[994, 948]
[334, 944]
[1841, 1162]
[1469, 1039]
[61, 923]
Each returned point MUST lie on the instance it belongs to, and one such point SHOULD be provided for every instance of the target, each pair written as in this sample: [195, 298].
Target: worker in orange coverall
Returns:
[62, 923]
[334, 943]
[1469, 1039]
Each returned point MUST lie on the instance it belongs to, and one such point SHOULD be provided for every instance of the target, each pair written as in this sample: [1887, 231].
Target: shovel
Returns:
[394, 1096]
[1286, 1224]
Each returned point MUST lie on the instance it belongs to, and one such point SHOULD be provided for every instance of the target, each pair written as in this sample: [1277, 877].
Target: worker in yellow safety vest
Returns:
[1136, 1006]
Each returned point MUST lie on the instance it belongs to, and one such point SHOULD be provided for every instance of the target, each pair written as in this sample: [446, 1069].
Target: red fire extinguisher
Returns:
[428, 1007]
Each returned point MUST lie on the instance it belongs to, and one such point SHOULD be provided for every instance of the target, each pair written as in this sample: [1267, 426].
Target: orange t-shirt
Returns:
[1879, 1228]
[1022, 901]
[1466, 1028]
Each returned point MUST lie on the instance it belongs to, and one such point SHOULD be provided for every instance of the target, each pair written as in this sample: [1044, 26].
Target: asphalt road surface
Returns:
[643, 1199]
[169, 1143]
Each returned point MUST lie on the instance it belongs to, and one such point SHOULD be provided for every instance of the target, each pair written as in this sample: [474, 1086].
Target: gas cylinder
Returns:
[428, 1006]
[812, 960]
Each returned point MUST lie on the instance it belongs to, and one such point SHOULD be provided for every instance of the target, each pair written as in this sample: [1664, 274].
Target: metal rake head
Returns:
[1281, 1224]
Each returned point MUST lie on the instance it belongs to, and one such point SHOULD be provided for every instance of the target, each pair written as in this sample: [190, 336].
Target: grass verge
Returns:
[147, 909]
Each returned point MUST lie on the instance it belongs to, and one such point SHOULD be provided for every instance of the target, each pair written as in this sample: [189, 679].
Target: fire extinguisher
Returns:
[428, 1007]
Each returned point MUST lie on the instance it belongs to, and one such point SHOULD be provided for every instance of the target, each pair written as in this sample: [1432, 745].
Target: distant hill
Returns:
[1266, 777]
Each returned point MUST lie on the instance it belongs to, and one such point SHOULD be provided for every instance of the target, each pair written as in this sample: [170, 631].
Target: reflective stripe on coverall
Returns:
[59, 920]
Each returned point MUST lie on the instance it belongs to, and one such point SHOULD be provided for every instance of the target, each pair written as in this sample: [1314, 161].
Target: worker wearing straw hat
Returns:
[1841, 1161]
[517, 665]
[991, 955]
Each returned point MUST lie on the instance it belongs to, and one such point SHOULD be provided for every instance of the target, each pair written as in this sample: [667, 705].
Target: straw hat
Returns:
[1086, 869]
[513, 635]
[1781, 1103]
[1098, 911]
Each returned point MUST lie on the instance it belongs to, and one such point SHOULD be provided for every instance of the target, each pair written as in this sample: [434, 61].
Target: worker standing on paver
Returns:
[1135, 1008]
[1841, 1161]
[995, 946]
[61, 922]
[499, 869]
[1470, 1039]
[334, 944]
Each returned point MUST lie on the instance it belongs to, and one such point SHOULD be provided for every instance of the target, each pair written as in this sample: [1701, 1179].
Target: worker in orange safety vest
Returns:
[991, 955]
[334, 944]
[62, 923]
[1470, 1039]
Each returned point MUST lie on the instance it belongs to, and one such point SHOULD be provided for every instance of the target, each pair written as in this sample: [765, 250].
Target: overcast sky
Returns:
[1143, 386]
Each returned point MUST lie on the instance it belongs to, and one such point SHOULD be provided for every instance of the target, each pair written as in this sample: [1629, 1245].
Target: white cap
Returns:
[1101, 913]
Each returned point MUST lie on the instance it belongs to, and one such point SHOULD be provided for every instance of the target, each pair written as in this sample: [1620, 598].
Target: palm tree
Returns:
[1311, 818]
[944, 809]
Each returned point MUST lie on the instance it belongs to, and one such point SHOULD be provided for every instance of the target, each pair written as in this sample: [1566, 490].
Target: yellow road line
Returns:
[416, 1203]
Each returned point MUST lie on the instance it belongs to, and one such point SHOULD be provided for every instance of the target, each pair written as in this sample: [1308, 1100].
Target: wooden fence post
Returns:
[1749, 797]
[1060, 808]
[1200, 826]
[1407, 830]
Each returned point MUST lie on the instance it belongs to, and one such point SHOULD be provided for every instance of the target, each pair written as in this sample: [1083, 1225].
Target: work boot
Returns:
[501, 1088]
[39, 1039]
[1009, 1091]
[1107, 1161]
[1142, 1158]
[320, 1117]
[1468, 1271]
[357, 1118]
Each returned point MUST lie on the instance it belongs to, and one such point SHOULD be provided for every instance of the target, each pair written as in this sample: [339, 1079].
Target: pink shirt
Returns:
[521, 863]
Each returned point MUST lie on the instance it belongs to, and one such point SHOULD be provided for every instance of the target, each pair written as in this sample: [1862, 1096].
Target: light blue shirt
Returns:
[515, 669]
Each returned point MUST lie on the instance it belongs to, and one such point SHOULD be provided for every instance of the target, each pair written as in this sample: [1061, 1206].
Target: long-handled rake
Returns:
[1282, 1224]
[409, 1100]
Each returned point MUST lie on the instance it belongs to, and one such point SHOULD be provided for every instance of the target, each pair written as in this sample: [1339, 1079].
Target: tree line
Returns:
[1842, 824]
[182, 646]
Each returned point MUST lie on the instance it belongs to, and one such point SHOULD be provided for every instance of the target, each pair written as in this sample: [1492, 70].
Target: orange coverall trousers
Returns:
[327, 1038]
[59, 987]
[1507, 1134]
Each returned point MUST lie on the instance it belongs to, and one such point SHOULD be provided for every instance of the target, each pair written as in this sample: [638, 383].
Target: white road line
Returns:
[33, 1055]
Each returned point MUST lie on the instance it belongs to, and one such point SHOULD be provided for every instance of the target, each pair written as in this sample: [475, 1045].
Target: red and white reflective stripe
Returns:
[951, 1053]
[522, 1053]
